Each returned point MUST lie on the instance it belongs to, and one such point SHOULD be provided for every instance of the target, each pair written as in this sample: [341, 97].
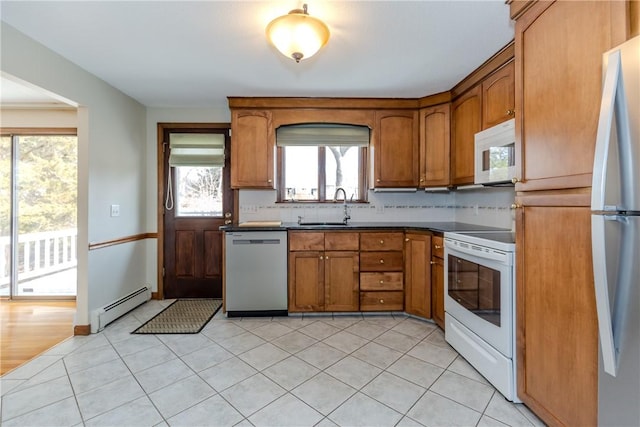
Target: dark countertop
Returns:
[433, 226]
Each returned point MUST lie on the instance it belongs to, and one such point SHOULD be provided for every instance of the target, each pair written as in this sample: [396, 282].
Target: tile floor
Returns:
[386, 370]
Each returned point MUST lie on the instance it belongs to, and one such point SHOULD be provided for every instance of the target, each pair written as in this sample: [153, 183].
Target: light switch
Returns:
[115, 210]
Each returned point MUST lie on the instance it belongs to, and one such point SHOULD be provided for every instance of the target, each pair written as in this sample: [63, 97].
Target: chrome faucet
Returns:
[346, 216]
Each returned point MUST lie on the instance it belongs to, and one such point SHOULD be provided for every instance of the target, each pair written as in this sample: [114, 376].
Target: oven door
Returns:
[479, 294]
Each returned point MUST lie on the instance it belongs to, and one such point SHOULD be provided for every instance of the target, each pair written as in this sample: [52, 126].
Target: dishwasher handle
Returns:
[256, 241]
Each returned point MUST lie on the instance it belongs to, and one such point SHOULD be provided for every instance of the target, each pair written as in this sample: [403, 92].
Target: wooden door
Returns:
[396, 149]
[253, 155]
[192, 242]
[557, 331]
[417, 272]
[466, 121]
[498, 96]
[306, 281]
[342, 281]
[435, 129]
[559, 47]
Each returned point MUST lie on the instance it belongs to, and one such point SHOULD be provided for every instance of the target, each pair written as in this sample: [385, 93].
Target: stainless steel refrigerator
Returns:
[615, 227]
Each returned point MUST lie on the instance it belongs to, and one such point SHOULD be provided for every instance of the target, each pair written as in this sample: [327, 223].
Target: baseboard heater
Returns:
[104, 315]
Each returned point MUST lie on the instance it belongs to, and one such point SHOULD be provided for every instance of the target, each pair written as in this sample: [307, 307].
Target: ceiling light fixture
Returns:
[298, 35]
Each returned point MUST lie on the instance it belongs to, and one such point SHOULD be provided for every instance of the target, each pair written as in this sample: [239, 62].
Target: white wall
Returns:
[38, 118]
[112, 160]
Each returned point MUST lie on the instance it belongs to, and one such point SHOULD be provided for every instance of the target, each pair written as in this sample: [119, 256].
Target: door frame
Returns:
[161, 128]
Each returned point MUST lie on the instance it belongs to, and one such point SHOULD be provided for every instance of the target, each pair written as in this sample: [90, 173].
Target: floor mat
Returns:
[183, 316]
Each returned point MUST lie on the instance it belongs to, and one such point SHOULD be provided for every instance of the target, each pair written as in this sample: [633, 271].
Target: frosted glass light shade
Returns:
[298, 35]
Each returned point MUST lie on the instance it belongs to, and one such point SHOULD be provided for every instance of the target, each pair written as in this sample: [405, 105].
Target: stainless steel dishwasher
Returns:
[256, 273]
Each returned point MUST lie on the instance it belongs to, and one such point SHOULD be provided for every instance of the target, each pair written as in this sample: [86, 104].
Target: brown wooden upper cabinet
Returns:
[498, 100]
[253, 149]
[435, 127]
[396, 149]
[466, 121]
[559, 46]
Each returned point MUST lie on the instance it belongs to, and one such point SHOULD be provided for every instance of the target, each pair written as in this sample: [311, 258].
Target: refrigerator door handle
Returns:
[613, 101]
[598, 247]
[612, 323]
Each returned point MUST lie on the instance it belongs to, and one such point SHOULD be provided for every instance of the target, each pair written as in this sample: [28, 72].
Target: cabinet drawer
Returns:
[381, 241]
[339, 241]
[306, 241]
[381, 301]
[381, 281]
[381, 261]
[437, 246]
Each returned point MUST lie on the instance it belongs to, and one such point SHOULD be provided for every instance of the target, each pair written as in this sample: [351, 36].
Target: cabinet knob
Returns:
[381, 282]
[321, 257]
[432, 262]
[381, 301]
[510, 112]
[406, 239]
[438, 247]
[421, 179]
[515, 206]
[227, 221]
[269, 181]
[378, 180]
[381, 261]
[382, 242]
[515, 180]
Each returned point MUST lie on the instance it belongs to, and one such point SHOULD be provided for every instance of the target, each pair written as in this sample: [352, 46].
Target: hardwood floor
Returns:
[32, 327]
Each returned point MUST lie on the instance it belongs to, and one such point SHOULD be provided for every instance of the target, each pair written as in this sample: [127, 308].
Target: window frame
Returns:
[363, 172]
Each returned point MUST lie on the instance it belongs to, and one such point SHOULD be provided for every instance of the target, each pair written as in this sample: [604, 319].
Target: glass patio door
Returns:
[38, 224]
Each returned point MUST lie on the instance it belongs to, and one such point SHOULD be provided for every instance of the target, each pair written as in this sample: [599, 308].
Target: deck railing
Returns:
[39, 254]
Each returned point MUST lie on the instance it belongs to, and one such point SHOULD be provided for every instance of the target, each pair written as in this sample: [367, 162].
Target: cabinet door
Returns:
[396, 149]
[306, 281]
[252, 149]
[437, 291]
[466, 121]
[559, 47]
[435, 128]
[342, 281]
[557, 339]
[417, 270]
[498, 96]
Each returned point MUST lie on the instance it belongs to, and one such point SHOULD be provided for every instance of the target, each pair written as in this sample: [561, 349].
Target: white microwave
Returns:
[495, 154]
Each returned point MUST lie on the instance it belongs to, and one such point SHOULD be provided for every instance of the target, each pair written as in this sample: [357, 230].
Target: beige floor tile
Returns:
[286, 411]
[361, 410]
[291, 372]
[324, 393]
[435, 410]
[393, 391]
[353, 371]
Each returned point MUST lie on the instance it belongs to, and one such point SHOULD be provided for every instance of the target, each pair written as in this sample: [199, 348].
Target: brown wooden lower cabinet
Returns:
[306, 281]
[417, 271]
[557, 336]
[324, 280]
[437, 281]
[341, 281]
[382, 301]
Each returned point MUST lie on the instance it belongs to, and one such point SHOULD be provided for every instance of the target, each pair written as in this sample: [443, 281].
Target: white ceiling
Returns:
[195, 54]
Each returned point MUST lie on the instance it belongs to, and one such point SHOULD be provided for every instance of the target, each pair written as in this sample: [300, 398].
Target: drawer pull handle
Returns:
[381, 261]
[382, 242]
[381, 282]
[381, 301]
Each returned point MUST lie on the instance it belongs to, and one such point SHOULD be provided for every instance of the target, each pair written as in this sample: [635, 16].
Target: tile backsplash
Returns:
[487, 206]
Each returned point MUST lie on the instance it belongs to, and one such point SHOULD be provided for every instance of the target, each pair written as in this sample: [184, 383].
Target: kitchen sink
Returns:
[322, 224]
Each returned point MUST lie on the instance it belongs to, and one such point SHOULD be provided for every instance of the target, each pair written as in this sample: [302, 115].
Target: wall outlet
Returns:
[115, 210]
